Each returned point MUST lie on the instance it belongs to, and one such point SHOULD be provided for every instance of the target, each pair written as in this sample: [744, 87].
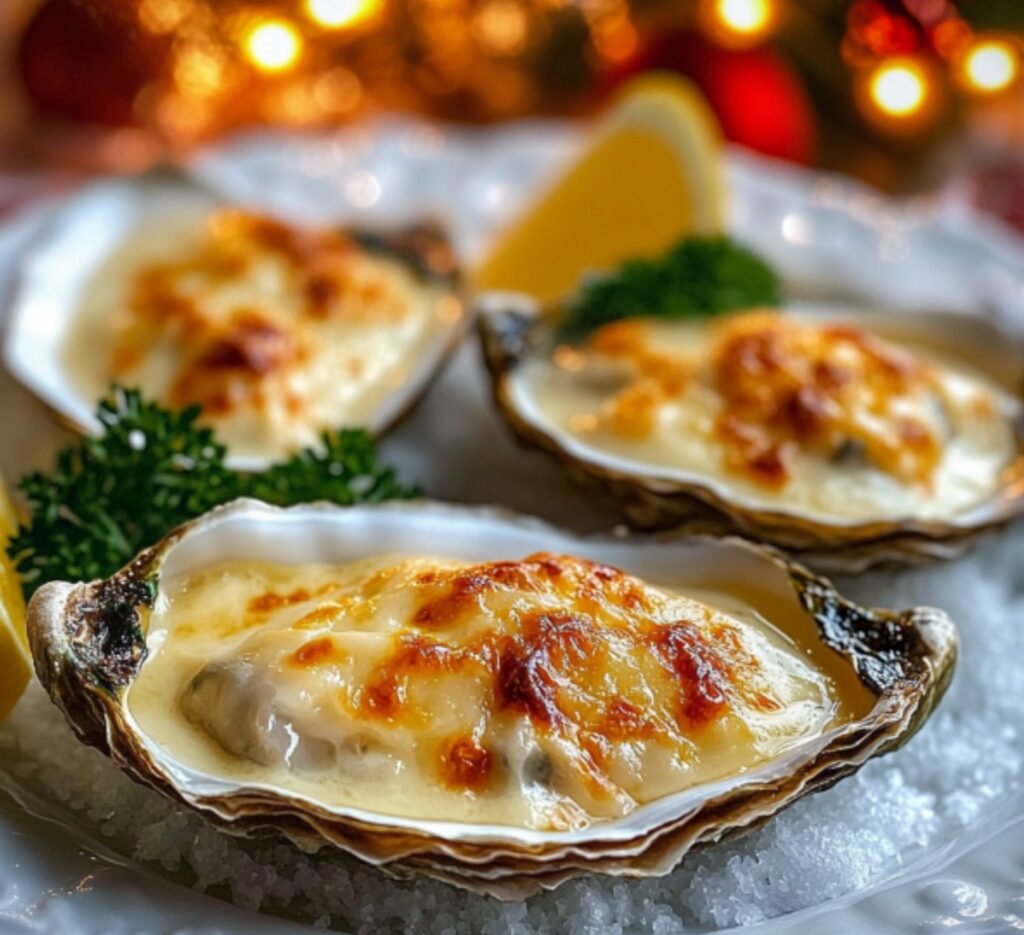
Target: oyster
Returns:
[279, 331]
[477, 697]
[851, 436]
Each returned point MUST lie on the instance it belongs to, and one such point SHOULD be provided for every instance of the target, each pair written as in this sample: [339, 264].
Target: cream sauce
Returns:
[545, 694]
[341, 362]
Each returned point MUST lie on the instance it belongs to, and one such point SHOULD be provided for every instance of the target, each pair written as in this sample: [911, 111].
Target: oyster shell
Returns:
[521, 347]
[279, 331]
[98, 647]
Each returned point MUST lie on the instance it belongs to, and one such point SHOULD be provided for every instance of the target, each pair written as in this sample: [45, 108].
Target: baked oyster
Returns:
[476, 697]
[278, 330]
[852, 435]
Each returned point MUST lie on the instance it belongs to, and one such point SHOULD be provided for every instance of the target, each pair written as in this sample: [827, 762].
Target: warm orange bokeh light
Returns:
[501, 26]
[902, 96]
[749, 19]
[340, 14]
[952, 37]
[164, 16]
[990, 66]
[273, 45]
[899, 89]
[198, 70]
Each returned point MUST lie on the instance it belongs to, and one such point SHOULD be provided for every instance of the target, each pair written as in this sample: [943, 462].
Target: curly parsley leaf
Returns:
[343, 470]
[699, 276]
[152, 469]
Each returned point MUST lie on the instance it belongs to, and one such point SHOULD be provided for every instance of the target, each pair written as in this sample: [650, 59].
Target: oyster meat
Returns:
[817, 431]
[278, 330]
[476, 697]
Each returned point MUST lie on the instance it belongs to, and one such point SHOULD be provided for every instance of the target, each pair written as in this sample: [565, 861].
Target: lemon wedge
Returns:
[15, 662]
[651, 174]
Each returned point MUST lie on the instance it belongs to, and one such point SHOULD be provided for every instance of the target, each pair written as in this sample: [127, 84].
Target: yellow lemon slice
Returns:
[651, 175]
[15, 662]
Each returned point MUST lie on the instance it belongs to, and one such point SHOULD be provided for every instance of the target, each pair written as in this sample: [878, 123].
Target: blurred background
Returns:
[908, 95]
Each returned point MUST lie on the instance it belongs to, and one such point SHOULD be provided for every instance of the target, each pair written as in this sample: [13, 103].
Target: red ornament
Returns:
[88, 61]
[759, 98]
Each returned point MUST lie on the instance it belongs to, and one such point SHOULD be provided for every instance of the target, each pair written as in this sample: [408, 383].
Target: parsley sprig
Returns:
[699, 276]
[152, 469]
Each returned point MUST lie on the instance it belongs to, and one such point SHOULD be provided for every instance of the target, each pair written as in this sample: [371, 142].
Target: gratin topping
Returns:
[278, 332]
[550, 690]
[784, 385]
[235, 355]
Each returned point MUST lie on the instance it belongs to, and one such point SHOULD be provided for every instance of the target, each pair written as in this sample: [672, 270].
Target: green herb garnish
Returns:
[153, 469]
[699, 276]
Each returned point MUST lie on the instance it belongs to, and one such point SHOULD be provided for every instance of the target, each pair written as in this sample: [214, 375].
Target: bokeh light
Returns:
[990, 66]
[164, 16]
[272, 45]
[899, 88]
[952, 37]
[749, 19]
[342, 14]
[199, 70]
[501, 26]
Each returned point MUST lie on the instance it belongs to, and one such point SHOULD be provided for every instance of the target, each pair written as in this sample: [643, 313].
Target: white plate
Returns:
[933, 847]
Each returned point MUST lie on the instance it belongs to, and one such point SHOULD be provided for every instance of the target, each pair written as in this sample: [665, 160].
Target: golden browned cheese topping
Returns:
[659, 376]
[229, 348]
[561, 669]
[786, 385]
[466, 763]
[545, 692]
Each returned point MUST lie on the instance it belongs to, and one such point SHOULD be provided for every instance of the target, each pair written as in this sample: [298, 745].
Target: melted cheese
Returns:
[279, 333]
[822, 418]
[543, 693]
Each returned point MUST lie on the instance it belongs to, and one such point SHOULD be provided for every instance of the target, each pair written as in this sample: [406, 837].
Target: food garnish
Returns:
[153, 469]
[699, 276]
[651, 173]
[15, 662]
